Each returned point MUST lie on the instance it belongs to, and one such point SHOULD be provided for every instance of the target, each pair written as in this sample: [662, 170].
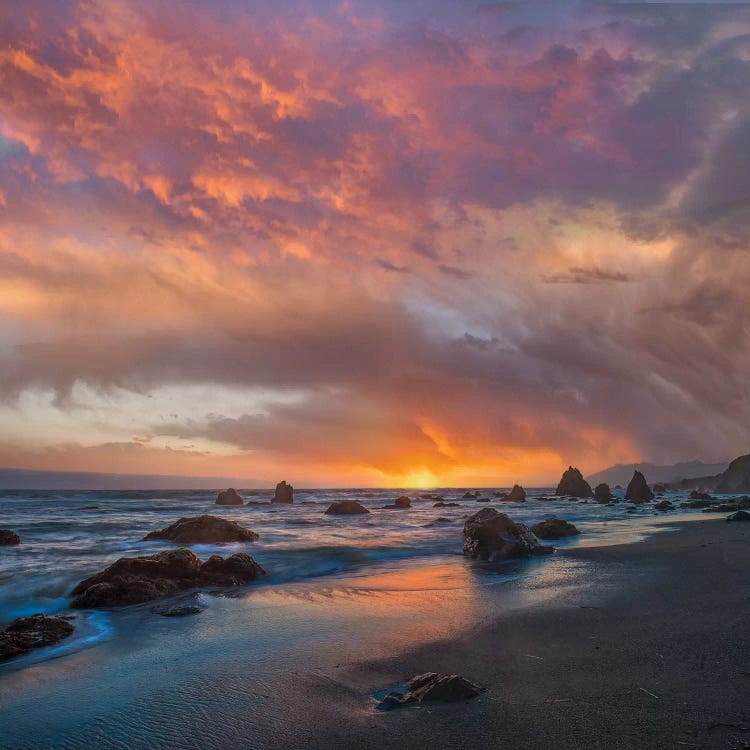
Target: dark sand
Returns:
[654, 653]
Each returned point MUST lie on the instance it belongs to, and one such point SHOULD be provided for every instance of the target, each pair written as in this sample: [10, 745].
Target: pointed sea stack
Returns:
[638, 490]
[572, 483]
[517, 494]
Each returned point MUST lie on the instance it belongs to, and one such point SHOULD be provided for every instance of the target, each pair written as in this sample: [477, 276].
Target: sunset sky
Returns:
[373, 243]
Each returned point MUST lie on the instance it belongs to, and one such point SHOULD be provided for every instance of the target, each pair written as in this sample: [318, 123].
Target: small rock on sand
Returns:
[554, 528]
[432, 687]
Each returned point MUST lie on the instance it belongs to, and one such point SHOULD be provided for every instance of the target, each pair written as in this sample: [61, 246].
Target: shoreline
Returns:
[653, 653]
[573, 651]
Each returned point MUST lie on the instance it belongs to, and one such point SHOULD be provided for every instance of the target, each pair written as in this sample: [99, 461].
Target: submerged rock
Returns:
[573, 483]
[176, 610]
[740, 515]
[517, 494]
[284, 493]
[638, 490]
[9, 538]
[554, 528]
[664, 505]
[402, 503]
[346, 508]
[602, 493]
[133, 580]
[697, 504]
[27, 633]
[229, 497]
[442, 504]
[203, 530]
[491, 535]
[432, 687]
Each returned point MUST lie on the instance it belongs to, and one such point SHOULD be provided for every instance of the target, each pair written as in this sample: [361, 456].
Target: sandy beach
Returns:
[639, 645]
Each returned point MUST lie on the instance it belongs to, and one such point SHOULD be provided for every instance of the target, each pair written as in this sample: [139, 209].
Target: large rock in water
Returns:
[284, 493]
[9, 538]
[573, 483]
[517, 494]
[229, 497]
[346, 508]
[554, 528]
[401, 503]
[27, 633]
[638, 490]
[602, 493]
[737, 476]
[132, 580]
[490, 535]
[203, 530]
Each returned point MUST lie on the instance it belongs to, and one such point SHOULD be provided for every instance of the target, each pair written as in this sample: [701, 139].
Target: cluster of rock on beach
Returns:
[488, 535]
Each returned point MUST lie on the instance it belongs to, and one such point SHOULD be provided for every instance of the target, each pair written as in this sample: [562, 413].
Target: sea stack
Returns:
[229, 497]
[638, 490]
[284, 493]
[517, 494]
[602, 493]
[737, 476]
[572, 483]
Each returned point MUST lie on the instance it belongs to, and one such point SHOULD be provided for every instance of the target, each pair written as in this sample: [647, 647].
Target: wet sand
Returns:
[654, 653]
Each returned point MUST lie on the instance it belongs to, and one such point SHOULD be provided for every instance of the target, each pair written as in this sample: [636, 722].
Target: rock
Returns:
[133, 580]
[638, 490]
[284, 493]
[664, 505]
[176, 610]
[554, 528]
[402, 502]
[659, 488]
[203, 530]
[573, 483]
[468, 496]
[722, 508]
[517, 494]
[697, 504]
[740, 515]
[427, 496]
[737, 476]
[483, 499]
[9, 538]
[432, 687]
[266, 502]
[490, 535]
[602, 493]
[346, 508]
[501, 495]
[27, 633]
[618, 486]
[90, 507]
[229, 497]
[698, 495]
[442, 504]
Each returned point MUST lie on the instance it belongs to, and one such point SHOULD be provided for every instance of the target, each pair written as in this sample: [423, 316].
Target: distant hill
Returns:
[623, 473]
[27, 479]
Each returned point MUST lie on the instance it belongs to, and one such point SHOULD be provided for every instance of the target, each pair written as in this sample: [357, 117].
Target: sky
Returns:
[355, 243]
